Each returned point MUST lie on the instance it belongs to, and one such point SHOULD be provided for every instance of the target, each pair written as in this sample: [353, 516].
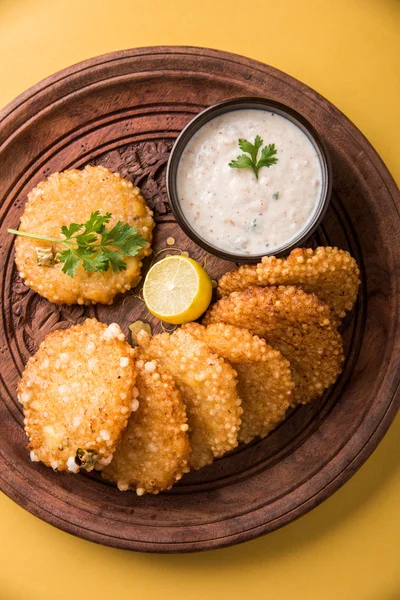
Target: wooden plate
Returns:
[124, 110]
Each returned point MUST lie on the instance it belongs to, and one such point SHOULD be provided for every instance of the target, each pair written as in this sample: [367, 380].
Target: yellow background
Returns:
[349, 547]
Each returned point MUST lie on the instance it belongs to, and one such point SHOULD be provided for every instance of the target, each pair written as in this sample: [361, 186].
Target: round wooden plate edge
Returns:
[321, 494]
[228, 540]
[17, 102]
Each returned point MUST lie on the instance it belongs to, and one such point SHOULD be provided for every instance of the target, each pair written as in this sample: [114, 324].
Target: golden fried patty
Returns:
[238, 279]
[208, 387]
[71, 197]
[297, 324]
[332, 274]
[154, 449]
[264, 378]
[77, 394]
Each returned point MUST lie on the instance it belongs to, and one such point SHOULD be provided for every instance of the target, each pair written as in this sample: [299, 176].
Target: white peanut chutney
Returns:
[230, 208]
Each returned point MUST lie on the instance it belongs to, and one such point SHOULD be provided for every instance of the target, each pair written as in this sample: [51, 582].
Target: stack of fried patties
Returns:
[146, 416]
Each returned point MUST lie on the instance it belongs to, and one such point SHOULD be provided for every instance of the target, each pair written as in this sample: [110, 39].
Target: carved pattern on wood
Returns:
[143, 163]
[34, 317]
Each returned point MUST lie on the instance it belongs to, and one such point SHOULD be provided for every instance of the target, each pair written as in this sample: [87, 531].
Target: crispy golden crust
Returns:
[154, 448]
[69, 197]
[77, 394]
[266, 391]
[208, 387]
[293, 322]
[332, 274]
[238, 279]
[264, 378]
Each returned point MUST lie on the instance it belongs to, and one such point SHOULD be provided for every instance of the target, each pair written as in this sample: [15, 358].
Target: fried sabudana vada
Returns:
[332, 274]
[154, 448]
[297, 324]
[77, 393]
[71, 197]
[208, 387]
[237, 280]
[264, 378]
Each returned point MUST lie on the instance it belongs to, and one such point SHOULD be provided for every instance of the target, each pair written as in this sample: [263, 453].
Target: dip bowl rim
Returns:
[242, 103]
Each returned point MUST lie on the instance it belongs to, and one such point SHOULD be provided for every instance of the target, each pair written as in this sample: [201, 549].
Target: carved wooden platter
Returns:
[123, 111]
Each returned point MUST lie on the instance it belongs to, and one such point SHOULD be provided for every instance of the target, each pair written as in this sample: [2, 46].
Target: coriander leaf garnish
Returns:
[242, 162]
[94, 246]
[267, 157]
[71, 262]
[251, 149]
[124, 237]
[69, 231]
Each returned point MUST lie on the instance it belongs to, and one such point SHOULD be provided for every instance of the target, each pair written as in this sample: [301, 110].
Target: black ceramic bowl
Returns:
[237, 104]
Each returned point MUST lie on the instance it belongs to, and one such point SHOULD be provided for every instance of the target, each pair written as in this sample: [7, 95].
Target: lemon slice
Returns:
[177, 290]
